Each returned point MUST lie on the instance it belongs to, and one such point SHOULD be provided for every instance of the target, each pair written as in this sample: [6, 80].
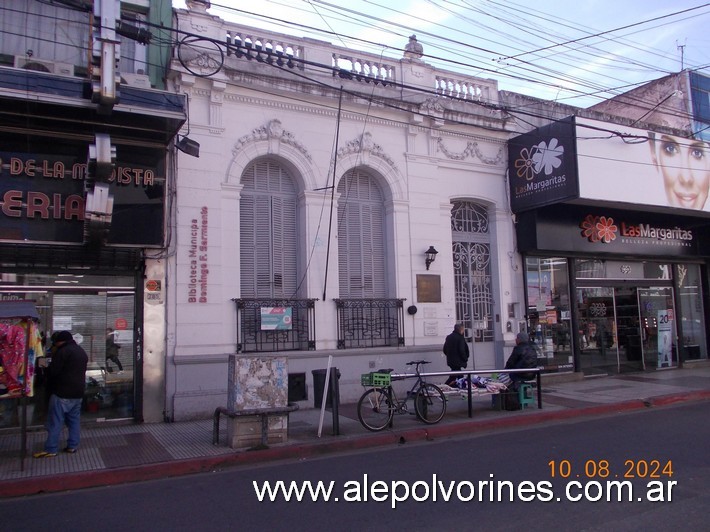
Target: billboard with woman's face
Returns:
[629, 165]
[578, 160]
[684, 166]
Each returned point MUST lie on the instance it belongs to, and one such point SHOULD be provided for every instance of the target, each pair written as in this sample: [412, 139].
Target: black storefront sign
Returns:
[542, 166]
[599, 231]
[42, 191]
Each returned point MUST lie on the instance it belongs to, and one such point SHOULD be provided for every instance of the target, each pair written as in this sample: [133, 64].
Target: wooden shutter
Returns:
[268, 232]
[361, 253]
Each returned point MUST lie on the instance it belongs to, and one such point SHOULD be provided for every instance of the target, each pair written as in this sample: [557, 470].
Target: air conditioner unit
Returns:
[42, 65]
[141, 81]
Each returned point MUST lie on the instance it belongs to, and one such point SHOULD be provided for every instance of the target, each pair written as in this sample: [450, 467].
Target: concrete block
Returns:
[245, 431]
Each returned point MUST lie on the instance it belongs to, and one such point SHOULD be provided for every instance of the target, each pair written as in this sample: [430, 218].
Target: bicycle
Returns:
[378, 405]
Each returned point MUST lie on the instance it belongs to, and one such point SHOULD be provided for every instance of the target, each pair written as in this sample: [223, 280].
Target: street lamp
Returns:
[430, 256]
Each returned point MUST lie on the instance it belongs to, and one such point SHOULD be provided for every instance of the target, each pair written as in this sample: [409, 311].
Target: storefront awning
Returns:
[38, 101]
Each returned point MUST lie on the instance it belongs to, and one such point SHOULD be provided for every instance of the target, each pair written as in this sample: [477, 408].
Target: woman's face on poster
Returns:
[685, 166]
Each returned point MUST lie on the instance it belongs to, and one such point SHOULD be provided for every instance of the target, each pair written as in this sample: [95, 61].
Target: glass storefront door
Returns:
[658, 327]
[624, 329]
[100, 313]
[597, 330]
[628, 329]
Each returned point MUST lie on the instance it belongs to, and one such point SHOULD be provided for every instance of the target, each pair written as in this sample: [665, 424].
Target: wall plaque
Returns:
[428, 288]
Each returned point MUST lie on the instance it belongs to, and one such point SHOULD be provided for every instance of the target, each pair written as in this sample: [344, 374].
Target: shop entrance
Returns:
[625, 329]
[100, 313]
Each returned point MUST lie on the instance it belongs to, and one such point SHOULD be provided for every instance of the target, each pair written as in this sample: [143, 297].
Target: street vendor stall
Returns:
[20, 345]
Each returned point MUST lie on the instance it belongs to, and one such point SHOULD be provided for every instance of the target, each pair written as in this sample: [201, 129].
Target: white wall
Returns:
[423, 164]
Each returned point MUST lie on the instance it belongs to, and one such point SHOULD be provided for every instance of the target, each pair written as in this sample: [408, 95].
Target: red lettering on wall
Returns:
[38, 204]
[12, 203]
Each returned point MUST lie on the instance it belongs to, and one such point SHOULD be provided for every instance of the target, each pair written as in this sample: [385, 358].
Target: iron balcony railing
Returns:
[269, 325]
[370, 322]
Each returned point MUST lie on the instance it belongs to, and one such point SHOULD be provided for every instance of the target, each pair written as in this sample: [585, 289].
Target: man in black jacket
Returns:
[456, 351]
[66, 383]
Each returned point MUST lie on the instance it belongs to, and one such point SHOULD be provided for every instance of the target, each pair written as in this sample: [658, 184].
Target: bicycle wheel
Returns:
[374, 409]
[430, 403]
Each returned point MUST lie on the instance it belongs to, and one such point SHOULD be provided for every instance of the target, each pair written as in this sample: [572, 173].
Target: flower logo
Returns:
[599, 229]
[540, 158]
[607, 230]
[524, 165]
[597, 310]
[589, 228]
[548, 157]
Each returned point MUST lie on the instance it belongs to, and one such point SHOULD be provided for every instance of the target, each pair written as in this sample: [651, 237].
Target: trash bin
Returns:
[319, 384]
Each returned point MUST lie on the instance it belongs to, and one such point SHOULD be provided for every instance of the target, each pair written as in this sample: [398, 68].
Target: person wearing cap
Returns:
[523, 356]
[66, 383]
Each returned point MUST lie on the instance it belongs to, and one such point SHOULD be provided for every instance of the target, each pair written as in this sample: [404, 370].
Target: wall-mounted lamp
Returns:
[188, 146]
[430, 256]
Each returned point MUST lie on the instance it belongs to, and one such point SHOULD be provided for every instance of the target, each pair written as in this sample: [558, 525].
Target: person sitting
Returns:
[523, 356]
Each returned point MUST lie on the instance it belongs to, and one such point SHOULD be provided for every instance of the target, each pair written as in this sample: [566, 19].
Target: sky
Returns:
[578, 53]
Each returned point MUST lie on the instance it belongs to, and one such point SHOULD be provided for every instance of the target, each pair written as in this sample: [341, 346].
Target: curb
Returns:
[90, 479]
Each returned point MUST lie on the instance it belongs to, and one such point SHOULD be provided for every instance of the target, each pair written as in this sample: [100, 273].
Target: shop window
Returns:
[548, 312]
[691, 324]
[95, 309]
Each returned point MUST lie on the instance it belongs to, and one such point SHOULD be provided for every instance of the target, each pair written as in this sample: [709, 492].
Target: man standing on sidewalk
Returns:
[66, 381]
[456, 351]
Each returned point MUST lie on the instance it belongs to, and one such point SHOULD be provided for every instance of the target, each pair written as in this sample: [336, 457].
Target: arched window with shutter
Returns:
[268, 251]
[361, 237]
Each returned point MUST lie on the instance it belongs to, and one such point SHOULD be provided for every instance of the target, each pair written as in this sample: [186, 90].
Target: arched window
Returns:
[361, 237]
[472, 269]
[268, 232]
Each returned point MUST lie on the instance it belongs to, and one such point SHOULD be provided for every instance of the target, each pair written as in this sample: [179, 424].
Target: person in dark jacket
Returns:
[456, 351]
[523, 356]
[66, 382]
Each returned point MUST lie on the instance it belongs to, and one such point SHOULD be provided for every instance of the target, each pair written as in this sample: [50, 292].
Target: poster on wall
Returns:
[665, 338]
[276, 318]
[539, 289]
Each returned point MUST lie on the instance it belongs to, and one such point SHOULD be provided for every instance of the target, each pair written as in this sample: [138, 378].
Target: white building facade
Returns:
[323, 177]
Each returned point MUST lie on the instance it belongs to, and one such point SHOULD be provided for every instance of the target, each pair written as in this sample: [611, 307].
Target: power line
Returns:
[541, 77]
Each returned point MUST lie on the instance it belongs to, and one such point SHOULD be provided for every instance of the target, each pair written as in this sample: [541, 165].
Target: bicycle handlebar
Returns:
[417, 362]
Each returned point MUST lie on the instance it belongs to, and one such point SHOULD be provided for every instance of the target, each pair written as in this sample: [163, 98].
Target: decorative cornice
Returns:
[472, 150]
[205, 62]
[272, 130]
[366, 144]
[432, 105]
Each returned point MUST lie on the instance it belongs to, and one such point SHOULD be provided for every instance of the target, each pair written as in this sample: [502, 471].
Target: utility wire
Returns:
[526, 79]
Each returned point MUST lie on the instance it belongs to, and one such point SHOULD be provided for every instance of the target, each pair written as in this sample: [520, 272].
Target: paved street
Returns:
[114, 454]
[605, 448]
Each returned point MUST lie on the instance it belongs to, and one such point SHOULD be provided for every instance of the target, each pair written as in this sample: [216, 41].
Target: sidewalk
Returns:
[127, 453]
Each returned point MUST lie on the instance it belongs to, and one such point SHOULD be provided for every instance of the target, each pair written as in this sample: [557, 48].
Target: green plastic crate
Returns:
[375, 379]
